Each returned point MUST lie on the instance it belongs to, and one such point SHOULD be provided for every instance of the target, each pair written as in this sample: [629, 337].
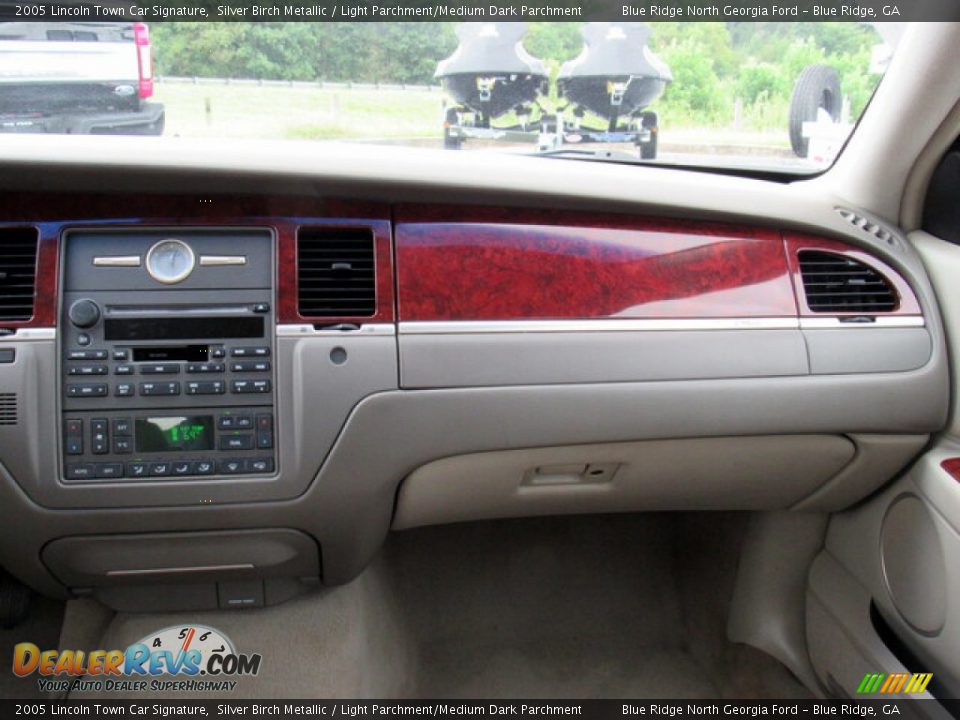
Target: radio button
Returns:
[250, 366]
[231, 467]
[160, 468]
[120, 355]
[79, 471]
[259, 465]
[122, 446]
[83, 340]
[160, 388]
[251, 386]
[138, 469]
[212, 387]
[124, 390]
[261, 308]
[87, 355]
[250, 352]
[108, 470]
[218, 352]
[203, 467]
[205, 368]
[181, 468]
[87, 390]
[87, 370]
[160, 369]
[237, 442]
[123, 370]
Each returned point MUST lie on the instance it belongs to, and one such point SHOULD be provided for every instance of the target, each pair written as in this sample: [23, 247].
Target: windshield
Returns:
[753, 95]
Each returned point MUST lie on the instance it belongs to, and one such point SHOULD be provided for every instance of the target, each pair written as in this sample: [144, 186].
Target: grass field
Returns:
[315, 113]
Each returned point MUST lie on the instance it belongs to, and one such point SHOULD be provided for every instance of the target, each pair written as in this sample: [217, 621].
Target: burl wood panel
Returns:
[952, 466]
[504, 264]
[795, 242]
[53, 213]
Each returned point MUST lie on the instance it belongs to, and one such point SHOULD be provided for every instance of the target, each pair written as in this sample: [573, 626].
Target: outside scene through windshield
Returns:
[751, 95]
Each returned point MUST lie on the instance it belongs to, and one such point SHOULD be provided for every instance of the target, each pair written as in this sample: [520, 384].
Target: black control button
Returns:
[123, 370]
[250, 386]
[73, 444]
[120, 355]
[261, 308]
[250, 352]
[87, 390]
[124, 390]
[160, 388]
[218, 352]
[250, 366]
[211, 387]
[73, 426]
[83, 340]
[227, 422]
[138, 469]
[160, 468]
[203, 467]
[160, 369]
[237, 442]
[244, 422]
[122, 446]
[99, 437]
[205, 367]
[181, 468]
[264, 432]
[258, 465]
[87, 370]
[108, 470]
[231, 467]
[122, 426]
[79, 471]
[87, 355]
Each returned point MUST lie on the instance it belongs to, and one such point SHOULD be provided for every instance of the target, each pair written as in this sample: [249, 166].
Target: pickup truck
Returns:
[77, 78]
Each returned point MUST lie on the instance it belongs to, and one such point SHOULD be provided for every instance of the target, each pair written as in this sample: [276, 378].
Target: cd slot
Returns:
[178, 327]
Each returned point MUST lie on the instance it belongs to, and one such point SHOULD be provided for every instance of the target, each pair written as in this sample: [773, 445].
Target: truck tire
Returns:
[817, 87]
[650, 121]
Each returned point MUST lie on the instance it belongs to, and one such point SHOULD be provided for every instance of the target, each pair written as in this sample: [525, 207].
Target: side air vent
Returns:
[834, 283]
[335, 272]
[8, 409]
[871, 227]
[18, 271]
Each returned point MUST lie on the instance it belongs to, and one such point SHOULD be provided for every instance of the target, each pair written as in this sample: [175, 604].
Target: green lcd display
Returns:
[175, 434]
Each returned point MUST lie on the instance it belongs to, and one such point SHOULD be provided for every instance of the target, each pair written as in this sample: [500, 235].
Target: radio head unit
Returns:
[167, 377]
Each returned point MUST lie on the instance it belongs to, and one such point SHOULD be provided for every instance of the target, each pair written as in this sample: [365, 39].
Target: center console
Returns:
[167, 355]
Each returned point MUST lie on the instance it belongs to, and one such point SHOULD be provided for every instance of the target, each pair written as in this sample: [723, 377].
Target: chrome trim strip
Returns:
[368, 329]
[117, 261]
[219, 260]
[30, 335]
[600, 325]
[879, 321]
[189, 569]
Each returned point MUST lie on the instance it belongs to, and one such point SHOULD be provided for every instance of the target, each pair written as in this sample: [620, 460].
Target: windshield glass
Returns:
[752, 95]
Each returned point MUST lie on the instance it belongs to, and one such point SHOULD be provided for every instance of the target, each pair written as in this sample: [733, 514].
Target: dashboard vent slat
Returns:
[835, 283]
[335, 272]
[8, 409]
[18, 271]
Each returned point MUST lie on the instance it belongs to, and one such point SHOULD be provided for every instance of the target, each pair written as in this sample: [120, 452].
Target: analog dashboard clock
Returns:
[170, 261]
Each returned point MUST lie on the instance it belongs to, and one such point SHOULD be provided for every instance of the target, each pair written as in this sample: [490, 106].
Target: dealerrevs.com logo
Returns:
[179, 659]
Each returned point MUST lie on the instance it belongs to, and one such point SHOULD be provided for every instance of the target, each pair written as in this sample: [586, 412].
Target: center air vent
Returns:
[18, 270]
[834, 283]
[8, 409]
[335, 272]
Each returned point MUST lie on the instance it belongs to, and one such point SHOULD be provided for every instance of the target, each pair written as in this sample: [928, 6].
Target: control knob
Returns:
[84, 313]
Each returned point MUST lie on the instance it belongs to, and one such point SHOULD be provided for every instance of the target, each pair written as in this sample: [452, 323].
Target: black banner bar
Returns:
[471, 10]
[590, 709]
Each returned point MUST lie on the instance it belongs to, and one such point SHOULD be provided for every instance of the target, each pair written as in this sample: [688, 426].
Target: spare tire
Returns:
[817, 87]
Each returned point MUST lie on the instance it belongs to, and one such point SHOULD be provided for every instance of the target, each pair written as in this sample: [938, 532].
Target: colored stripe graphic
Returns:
[894, 683]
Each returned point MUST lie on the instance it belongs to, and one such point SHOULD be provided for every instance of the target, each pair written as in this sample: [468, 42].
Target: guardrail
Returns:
[321, 84]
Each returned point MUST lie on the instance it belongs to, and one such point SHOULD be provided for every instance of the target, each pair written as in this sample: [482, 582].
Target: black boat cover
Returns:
[489, 48]
[616, 50]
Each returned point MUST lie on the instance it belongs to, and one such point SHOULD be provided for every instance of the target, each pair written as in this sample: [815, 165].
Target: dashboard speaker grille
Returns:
[835, 283]
[8, 409]
[18, 272]
[335, 272]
